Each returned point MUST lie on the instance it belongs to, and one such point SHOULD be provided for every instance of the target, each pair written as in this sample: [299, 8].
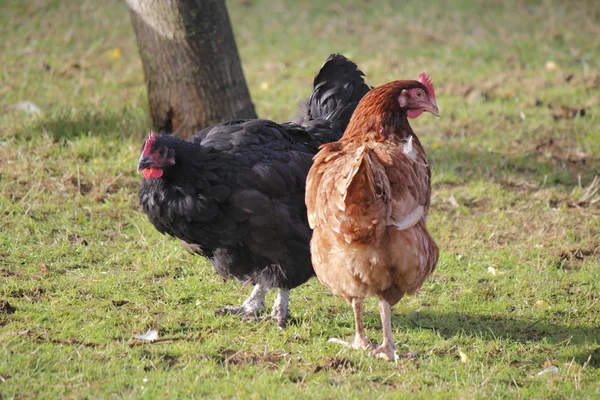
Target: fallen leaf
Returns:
[477, 96]
[436, 145]
[495, 272]
[542, 304]
[114, 54]
[44, 269]
[549, 369]
[74, 65]
[264, 86]
[551, 66]
[561, 111]
[28, 106]
[453, 202]
[149, 336]
[463, 357]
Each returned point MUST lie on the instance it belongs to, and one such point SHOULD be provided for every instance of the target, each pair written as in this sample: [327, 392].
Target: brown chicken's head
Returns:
[418, 99]
[155, 158]
[385, 109]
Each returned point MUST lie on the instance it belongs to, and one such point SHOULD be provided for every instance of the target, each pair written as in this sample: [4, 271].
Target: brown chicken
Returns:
[367, 197]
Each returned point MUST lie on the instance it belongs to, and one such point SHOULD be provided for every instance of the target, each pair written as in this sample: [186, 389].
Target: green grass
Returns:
[517, 289]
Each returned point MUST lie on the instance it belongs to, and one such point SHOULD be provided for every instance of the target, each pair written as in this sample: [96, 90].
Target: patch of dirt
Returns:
[6, 308]
[82, 186]
[7, 272]
[164, 360]
[509, 84]
[569, 259]
[337, 364]
[119, 303]
[44, 269]
[595, 358]
[562, 150]
[589, 81]
[561, 111]
[534, 102]
[76, 239]
[590, 197]
[516, 184]
[473, 203]
[31, 294]
[243, 358]
[114, 186]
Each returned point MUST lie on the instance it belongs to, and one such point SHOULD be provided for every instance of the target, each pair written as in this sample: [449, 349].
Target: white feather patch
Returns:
[410, 220]
[409, 150]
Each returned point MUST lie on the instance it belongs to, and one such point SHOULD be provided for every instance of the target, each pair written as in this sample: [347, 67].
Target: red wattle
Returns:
[152, 173]
[414, 113]
[156, 172]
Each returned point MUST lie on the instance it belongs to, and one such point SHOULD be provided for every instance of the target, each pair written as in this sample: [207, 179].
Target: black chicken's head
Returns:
[156, 157]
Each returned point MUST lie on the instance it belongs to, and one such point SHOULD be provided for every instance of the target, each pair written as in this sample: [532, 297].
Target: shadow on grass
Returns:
[66, 125]
[534, 166]
[492, 327]
[548, 164]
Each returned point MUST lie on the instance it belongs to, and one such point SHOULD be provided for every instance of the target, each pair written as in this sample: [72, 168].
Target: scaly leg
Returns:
[387, 349]
[280, 308]
[361, 341]
[251, 308]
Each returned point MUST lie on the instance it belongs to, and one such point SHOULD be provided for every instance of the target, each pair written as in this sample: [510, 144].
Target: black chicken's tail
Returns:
[337, 89]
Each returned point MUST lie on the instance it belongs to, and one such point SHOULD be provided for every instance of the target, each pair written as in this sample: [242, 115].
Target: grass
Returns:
[513, 310]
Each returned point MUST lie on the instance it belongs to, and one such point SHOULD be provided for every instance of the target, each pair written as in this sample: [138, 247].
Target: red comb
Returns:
[427, 82]
[149, 142]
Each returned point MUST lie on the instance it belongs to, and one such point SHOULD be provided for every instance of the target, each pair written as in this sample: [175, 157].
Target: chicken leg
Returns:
[361, 341]
[251, 308]
[387, 349]
[280, 308]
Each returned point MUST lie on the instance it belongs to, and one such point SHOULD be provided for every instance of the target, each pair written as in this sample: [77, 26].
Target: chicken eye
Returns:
[161, 152]
[419, 93]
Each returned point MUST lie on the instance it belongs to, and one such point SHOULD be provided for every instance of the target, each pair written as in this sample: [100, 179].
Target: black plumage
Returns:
[234, 192]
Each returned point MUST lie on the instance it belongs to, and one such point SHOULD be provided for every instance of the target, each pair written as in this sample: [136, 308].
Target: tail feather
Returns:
[337, 89]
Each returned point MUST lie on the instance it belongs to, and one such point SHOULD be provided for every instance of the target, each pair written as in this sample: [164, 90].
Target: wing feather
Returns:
[358, 192]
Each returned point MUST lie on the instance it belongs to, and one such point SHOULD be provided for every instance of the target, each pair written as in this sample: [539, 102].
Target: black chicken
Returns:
[234, 192]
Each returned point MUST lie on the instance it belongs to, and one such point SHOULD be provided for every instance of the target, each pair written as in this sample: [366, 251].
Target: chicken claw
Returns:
[246, 314]
[387, 349]
[251, 308]
[361, 341]
[386, 352]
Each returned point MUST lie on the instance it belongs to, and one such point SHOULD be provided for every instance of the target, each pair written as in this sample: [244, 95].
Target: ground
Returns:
[512, 310]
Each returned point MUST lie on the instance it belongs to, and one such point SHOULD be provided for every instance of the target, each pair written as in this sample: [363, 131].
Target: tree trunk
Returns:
[191, 65]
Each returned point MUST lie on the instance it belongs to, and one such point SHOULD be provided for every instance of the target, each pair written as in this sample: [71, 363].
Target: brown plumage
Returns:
[367, 197]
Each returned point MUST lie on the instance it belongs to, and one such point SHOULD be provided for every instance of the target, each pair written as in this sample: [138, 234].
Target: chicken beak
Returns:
[432, 108]
[145, 162]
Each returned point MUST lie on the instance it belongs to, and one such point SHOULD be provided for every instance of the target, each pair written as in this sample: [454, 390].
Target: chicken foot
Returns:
[387, 349]
[361, 341]
[251, 307]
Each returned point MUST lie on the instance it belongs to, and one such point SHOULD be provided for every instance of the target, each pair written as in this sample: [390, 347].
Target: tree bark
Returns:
[192, 69]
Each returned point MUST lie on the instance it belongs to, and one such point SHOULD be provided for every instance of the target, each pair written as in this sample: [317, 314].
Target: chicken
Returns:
[367, 198]
[234, 192]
